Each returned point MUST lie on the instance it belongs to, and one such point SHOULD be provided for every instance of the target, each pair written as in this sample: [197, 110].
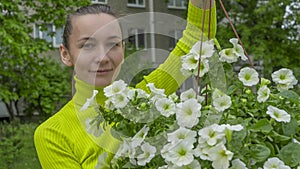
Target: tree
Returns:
[269, 30]
[23, 59]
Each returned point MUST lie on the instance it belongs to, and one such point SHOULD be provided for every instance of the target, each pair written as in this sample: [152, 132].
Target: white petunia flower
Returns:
[140, 136]
[188, 94]
[204, 68]
[165, 106]
[207, 49]
[191, 94]
[211, 134]
[220, 156]
[284, 76]
[263, 94]
[217, 93]
[220, 100]
[182, 134]
[238, 49]
[275, 163]
[225, 127]
[190, 65]
[138, 93]
[126, 149]
[174, 97]
[155, 92]
[89, 101]
[202, 149]
[148, 154]
[179, 154]
[188, 113]
[119, 100]
[186, 72]
[116, 87]
[222, 103]
[282, 87]
[288, 85]
[228, 55]
[237, 164]
[278, 114]
[295, 141]
[248, 76]
[165, 151]
[189, 62]
[194, 165]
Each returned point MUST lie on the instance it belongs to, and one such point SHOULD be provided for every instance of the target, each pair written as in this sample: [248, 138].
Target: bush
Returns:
[16, 145]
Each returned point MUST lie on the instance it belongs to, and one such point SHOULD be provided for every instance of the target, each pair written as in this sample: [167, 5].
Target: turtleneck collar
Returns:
[85, 91]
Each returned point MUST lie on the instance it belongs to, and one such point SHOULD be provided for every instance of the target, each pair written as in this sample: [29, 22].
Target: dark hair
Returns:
[90, 9]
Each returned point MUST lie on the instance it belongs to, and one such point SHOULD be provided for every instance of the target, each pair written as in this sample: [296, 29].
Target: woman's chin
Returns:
[102, 83]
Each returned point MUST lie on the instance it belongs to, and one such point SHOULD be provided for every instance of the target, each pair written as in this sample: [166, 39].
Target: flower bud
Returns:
[264, 81]
[248, 91]
[244, 100]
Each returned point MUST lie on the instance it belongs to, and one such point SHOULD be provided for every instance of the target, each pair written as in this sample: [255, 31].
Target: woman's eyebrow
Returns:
[114, 37]
[86, 39]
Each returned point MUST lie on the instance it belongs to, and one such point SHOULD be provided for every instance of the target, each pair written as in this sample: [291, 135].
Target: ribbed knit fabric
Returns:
[63, 141]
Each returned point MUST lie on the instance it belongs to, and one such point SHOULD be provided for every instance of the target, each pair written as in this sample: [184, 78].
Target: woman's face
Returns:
[95, 48]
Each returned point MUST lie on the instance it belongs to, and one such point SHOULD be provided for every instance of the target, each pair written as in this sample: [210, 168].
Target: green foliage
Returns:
[22, 64]
[51, 86]
[264, 137]
[267, 31]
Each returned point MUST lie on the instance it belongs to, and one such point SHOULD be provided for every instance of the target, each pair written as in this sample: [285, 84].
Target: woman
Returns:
[92, 44]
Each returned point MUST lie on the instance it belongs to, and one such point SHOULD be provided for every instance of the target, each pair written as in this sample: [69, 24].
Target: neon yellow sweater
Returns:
[62, 142]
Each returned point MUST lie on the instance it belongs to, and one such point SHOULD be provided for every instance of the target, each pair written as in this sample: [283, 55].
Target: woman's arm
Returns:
[200, 3]
[168, 75]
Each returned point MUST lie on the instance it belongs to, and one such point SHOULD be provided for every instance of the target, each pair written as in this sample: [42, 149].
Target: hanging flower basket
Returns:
[245, 122]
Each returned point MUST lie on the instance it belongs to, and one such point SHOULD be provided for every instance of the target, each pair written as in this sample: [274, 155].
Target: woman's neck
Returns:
[84, 91]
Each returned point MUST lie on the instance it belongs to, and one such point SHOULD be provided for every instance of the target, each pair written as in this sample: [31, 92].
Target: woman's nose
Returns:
[102, 55]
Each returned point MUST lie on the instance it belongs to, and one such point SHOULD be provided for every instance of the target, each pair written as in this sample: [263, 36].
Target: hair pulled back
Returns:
[85, 10]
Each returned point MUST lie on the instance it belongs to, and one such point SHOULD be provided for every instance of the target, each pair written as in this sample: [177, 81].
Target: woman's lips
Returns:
[102, 71]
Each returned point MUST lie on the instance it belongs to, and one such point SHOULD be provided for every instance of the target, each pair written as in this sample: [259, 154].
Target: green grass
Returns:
[17, 146]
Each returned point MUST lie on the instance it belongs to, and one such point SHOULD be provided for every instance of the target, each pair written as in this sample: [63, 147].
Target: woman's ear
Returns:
[65, 55]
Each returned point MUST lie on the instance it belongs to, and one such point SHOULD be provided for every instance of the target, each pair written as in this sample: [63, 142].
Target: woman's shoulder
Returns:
[59, 121]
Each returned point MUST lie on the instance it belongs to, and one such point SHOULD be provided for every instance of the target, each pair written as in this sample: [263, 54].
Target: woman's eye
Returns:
[113, 44]
[88, 46]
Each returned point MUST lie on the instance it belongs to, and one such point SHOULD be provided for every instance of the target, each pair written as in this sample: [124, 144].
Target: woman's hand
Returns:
[200, 3]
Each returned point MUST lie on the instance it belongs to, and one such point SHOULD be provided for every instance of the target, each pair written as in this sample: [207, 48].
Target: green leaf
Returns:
[290, 154]
[291, 96]
[290, 128]
[262, 126]
[260, 152]
[271, 147]
[278, 137]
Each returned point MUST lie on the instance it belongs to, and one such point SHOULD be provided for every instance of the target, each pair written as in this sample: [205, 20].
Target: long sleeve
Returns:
[168, 75]
[64, 141]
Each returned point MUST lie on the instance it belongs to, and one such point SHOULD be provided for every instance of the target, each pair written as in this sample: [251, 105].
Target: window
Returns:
[136, 39]
[99, 1]
[46, 34]
[136, 3]
[177, 4]
[175, 35]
